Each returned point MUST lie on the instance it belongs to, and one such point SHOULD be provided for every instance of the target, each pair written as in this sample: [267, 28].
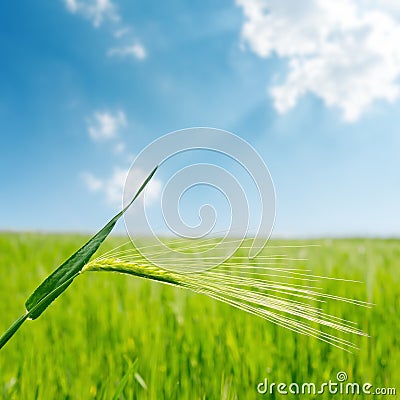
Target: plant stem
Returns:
[12, 329]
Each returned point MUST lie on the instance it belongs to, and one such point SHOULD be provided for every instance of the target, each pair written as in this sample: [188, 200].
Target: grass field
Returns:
[115, 336]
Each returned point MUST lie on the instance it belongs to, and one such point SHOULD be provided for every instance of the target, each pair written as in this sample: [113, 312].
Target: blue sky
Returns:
[86, 85]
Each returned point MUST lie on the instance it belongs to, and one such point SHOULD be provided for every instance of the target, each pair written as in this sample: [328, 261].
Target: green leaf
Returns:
[62, 277]
[76, 262]
[38, 308]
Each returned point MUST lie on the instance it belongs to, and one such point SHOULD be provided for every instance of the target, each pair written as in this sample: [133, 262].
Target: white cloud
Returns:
[113, 186]
[95, 10]
[119, 33]
[105, 125]
[345, 51]
[93, 184]
[72, 5]
[119, 148]
[136, 50]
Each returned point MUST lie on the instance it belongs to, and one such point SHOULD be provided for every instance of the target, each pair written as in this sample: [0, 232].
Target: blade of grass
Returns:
[124, 381]
[57, 282]
[76, 262]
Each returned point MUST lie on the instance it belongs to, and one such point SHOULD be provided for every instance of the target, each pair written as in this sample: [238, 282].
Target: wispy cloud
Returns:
[92, 183]
[95, 10]
[98, 11]
[106, 125]
[136, 50]
[346, 52]
[119, 148]
[121, 32]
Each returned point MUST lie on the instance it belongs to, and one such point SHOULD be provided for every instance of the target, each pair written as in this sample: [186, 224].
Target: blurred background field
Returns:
[114, 336]
[87, 85]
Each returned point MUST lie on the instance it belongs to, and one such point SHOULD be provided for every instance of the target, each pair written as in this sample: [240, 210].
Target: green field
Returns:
[115, 336]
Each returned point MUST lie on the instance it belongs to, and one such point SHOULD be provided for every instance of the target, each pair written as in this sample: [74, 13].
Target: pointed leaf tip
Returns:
[63, 276]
